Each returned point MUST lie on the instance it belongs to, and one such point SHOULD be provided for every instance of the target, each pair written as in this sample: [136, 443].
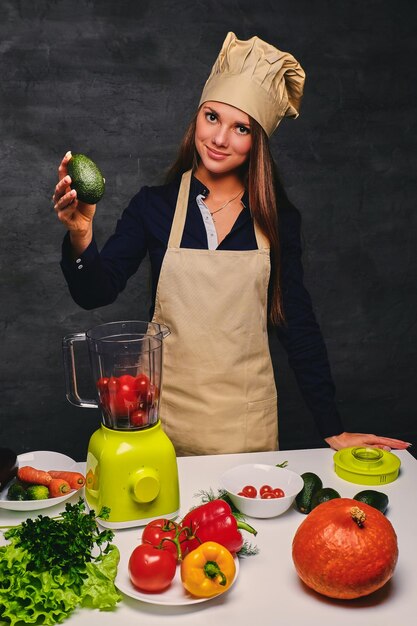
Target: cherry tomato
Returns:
[141, 386]
[240, 493]
[127, 387]
[138, 418]
[123, 398]
[113, 384]
[160, 529]
[278, 492]
[103, 391]
[250, 491]
[151, 569]
[264, 489]
[268, 495]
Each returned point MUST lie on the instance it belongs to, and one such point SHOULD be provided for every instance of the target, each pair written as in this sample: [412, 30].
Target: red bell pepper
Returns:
[214, 521]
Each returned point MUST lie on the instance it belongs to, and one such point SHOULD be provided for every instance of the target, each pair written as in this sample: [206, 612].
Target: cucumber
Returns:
[16, 491]
[323, 495]
[377, 499]
[312, 483]
[37, 492]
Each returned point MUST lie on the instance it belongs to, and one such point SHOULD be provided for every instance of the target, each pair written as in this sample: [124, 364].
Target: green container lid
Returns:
[366, 466]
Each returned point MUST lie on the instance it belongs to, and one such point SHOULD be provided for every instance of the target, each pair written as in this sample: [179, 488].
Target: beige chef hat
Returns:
[258, 79]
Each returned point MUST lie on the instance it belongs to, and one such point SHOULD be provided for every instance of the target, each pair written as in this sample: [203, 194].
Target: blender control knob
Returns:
[144, 485]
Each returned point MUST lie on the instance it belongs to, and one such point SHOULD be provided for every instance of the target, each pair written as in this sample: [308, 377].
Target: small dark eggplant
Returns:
[8, 466]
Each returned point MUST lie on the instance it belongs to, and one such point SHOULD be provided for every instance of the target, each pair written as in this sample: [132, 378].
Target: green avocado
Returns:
[377, 499]
[86, 179]
[323, 495]
[312, 483]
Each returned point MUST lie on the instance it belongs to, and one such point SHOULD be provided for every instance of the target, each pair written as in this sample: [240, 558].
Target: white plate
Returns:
[43, 460]
[175, 595]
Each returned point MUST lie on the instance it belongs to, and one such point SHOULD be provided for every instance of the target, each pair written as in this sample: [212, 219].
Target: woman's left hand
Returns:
[346, 440]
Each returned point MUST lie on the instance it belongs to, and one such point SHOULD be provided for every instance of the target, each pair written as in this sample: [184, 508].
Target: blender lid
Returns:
[368, 466]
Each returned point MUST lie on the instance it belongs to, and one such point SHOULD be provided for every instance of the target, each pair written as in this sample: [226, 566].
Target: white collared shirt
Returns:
[212, 240]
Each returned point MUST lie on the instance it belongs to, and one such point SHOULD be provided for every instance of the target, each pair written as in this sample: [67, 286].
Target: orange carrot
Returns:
[75, 479]
[28, 474]
[58, 487]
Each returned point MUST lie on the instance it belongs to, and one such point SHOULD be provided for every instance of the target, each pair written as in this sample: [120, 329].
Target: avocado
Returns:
[377, 499]
[37, 492]
[323, 495]
[16, 491]
[86, 179]
[312, 483]
[8, 465]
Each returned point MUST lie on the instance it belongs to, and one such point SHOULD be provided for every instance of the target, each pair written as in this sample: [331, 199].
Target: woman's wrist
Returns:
[80, 242]
[335, 441]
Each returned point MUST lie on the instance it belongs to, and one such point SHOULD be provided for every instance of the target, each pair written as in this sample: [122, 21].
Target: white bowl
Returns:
[42, 460]
[257, 475]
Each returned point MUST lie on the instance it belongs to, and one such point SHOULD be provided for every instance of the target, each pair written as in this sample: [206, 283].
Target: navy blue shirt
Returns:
[96, 278]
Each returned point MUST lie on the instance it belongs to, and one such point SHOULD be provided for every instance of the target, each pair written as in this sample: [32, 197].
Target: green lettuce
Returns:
[28, 596]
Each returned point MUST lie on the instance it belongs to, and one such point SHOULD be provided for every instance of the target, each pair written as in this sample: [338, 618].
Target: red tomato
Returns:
[278, 492]
[250, 491]
[139, 418]
[264, 489]
[158, 530]
[142, 386]
[122, 395]
[151, 569]
[268, 495]
[113, 384]
[127, 387]
[102, 384]
[103, 391]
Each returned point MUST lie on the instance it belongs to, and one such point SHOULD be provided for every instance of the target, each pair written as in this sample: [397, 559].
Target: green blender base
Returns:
[134, 474]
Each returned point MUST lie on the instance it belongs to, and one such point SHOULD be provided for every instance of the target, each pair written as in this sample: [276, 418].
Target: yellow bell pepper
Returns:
[208, 570]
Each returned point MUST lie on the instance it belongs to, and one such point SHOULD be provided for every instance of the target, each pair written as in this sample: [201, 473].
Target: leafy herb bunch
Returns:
[66, 542]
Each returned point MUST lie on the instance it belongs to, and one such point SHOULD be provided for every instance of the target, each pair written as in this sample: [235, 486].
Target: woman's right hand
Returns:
[77, 216]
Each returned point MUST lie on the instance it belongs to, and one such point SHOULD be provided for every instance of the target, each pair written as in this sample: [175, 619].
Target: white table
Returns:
[268, 591]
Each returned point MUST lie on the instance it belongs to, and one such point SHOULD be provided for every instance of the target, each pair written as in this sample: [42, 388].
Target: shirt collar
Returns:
[197, 188]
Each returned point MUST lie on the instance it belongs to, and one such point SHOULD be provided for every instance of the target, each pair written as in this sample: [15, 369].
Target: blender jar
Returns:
[126, 364]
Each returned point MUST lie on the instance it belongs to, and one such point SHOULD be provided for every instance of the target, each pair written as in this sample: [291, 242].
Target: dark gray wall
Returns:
[119, 82]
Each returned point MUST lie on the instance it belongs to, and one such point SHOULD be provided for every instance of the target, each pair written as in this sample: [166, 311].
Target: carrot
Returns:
[75, 479]
[28, 474]
[58, 487]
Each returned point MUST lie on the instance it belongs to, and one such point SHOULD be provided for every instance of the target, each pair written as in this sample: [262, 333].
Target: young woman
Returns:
[225, 253]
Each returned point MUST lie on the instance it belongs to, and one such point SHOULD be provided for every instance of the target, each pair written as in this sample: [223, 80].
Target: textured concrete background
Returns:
[119, 81]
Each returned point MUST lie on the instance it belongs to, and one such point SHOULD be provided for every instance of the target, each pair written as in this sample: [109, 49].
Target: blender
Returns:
[131, 463]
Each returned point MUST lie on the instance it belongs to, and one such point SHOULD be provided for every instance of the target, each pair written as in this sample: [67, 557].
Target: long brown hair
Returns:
[261, 178]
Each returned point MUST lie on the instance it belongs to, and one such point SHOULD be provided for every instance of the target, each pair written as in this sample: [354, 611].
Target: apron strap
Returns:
[180, 214]
[261, 240]
[178, 222]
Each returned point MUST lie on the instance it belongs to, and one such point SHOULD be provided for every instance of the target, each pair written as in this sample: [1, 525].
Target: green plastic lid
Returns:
[366, 466]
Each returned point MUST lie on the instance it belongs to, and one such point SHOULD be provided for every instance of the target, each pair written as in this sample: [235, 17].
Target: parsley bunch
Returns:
[66, 542]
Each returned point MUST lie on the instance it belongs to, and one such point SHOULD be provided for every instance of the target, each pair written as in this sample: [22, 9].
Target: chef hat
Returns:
[258, 79]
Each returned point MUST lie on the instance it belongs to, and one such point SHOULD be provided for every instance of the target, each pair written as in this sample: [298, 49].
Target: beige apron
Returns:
[218, 393]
